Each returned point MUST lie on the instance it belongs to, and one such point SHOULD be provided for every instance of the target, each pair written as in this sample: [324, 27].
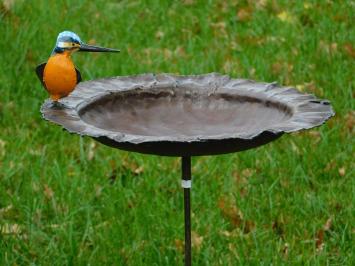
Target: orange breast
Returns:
[59, 76]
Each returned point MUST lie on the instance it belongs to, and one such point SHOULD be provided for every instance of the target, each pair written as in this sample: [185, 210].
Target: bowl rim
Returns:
[308, 111]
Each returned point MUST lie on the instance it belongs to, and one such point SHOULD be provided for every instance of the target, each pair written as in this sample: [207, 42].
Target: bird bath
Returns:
[185, 116]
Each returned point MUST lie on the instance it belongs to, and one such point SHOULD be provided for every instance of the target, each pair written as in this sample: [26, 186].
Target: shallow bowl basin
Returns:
[185, 115]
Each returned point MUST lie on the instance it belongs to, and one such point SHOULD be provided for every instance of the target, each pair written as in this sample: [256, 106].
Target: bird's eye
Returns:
[73, 44]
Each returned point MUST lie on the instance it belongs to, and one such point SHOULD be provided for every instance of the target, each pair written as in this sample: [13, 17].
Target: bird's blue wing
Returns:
[78, 76]
[39, 72]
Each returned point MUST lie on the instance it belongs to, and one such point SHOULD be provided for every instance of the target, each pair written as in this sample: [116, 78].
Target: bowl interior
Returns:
[176, 112]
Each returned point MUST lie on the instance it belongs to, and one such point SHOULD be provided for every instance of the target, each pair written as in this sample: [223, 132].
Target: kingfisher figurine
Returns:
[59, 75]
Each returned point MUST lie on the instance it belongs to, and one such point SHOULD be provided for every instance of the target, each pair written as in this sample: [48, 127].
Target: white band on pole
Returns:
[186, 183]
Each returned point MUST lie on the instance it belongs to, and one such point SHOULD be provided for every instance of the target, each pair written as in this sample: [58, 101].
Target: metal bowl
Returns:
[185, 115]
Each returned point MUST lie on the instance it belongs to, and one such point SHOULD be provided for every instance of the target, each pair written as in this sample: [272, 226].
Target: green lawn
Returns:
[65, 200]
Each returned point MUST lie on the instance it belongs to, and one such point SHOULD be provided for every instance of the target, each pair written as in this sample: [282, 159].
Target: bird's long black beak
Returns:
[91, 48]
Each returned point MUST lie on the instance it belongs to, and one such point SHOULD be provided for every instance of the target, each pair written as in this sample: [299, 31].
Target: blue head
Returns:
[68, 41]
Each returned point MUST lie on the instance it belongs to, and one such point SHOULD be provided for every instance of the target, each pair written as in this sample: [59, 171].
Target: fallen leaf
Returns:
[98, 191]
[235, 47]
[179, 245]
[307, 5]
[223, 6]
[330, 166]
[295, 51]
[244, 14]
[275, 39]
[286, 16]
[276, 68]
[300, 87]
[341, 171]
[333, 47]
[112, 176]
[219, 28]
[285, 250]
[260, 4]
[196, 240]
[113, 165]
[8, 4]
[37, 216]
[240, 178]
[320, 240]
[2, 148]
[91, 151]
[252, 41]
[350, 121]
[226, 233]
[124, 254]
[168, 54]
[252, 71]
[228, 66]
[188, 2]
[221, 25]
[312, 87]
[231, 246]
[248, 226]
[4, 210]
[281, 67]
[243, 192]
[55, 226]
[231, 212]
[159, 35]
[138, 170]
[329, 48]
[10, 229]
[349, 50]
[248, 172]
[103, 224]
[295, 148]
[48, 192]
[133, 167]
[180, 52]
[315, 135]
[30, 56]
[328, 224]
[36, 152]
[273, 6]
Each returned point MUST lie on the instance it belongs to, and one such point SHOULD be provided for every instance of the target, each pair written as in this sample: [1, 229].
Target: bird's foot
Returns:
[57, 105]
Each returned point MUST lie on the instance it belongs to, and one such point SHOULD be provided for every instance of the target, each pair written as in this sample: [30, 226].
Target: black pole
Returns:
[186, 184]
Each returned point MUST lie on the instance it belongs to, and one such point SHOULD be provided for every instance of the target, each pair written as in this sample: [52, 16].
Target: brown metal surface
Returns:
[185, 115]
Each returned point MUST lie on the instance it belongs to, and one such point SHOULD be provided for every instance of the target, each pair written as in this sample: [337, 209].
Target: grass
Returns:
[65, 200]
